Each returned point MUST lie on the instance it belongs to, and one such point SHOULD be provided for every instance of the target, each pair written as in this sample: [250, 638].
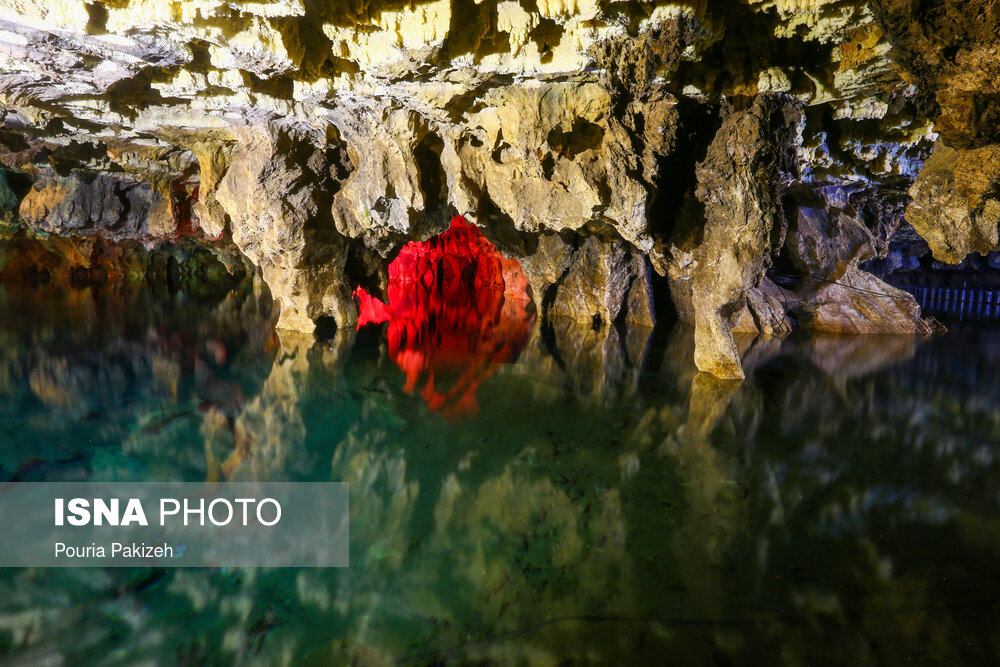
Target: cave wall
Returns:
[752, 154]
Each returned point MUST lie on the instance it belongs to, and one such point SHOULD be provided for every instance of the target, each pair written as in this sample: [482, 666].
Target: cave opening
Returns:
[457, 310]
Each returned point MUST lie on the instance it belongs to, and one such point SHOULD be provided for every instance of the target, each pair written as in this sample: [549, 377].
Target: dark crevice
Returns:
[427, 157]
[500, 230]
[664, 308]
[279, 87]
[17, 181]
[473, 30]
[546, 35]
[366, 268]
[326, 327]
[676, 179]
[201, 60]
[121, 192]
[498, 148]
[97, 19]
[548, 166]
[581, 137]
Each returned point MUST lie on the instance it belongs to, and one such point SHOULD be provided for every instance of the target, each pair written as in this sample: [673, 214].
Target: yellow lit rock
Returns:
[305, 134]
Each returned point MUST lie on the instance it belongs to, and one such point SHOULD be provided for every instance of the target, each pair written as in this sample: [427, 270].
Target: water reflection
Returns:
[841, 505]
[457, 310]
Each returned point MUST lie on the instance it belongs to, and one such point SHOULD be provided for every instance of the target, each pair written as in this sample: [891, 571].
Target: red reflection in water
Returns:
[457, 310]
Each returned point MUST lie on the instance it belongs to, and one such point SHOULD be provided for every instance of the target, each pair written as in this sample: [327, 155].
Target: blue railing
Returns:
[961, 302]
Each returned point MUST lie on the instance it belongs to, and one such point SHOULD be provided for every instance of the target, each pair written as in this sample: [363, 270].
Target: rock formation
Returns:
[274, 193]
[598, 143]
[949, 51]
[740, 184]
[455, 307]
[955, 206]
[827, 244]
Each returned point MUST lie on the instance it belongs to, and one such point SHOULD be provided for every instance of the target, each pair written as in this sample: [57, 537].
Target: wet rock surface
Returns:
[740, 183]
[314, 142]
[274, 193]
[451, 299]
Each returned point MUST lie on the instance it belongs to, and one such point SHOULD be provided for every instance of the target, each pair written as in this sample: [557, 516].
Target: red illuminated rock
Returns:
[457, 309]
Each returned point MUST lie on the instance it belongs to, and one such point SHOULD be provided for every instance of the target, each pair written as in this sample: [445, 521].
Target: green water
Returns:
[599, 503]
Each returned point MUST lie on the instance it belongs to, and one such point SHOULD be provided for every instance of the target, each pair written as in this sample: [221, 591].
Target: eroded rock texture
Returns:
[97, 203]
[955, 206]
[740, 184]
[312, 141]
[950, 51]
[275, 194]
[827, 241]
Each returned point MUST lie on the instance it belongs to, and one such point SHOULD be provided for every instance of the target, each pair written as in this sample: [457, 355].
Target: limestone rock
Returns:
[740, 182]
[554, 145]
[765, 312]
[955, 204]
[860, 303]
[393, 176]
[593, 281]
[950, 50]
[605, 283]
[86, 203]
[825, 242]
[213, 161]
[274, 193]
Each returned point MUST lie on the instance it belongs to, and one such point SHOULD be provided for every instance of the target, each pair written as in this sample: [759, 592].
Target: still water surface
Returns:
[593, 500]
